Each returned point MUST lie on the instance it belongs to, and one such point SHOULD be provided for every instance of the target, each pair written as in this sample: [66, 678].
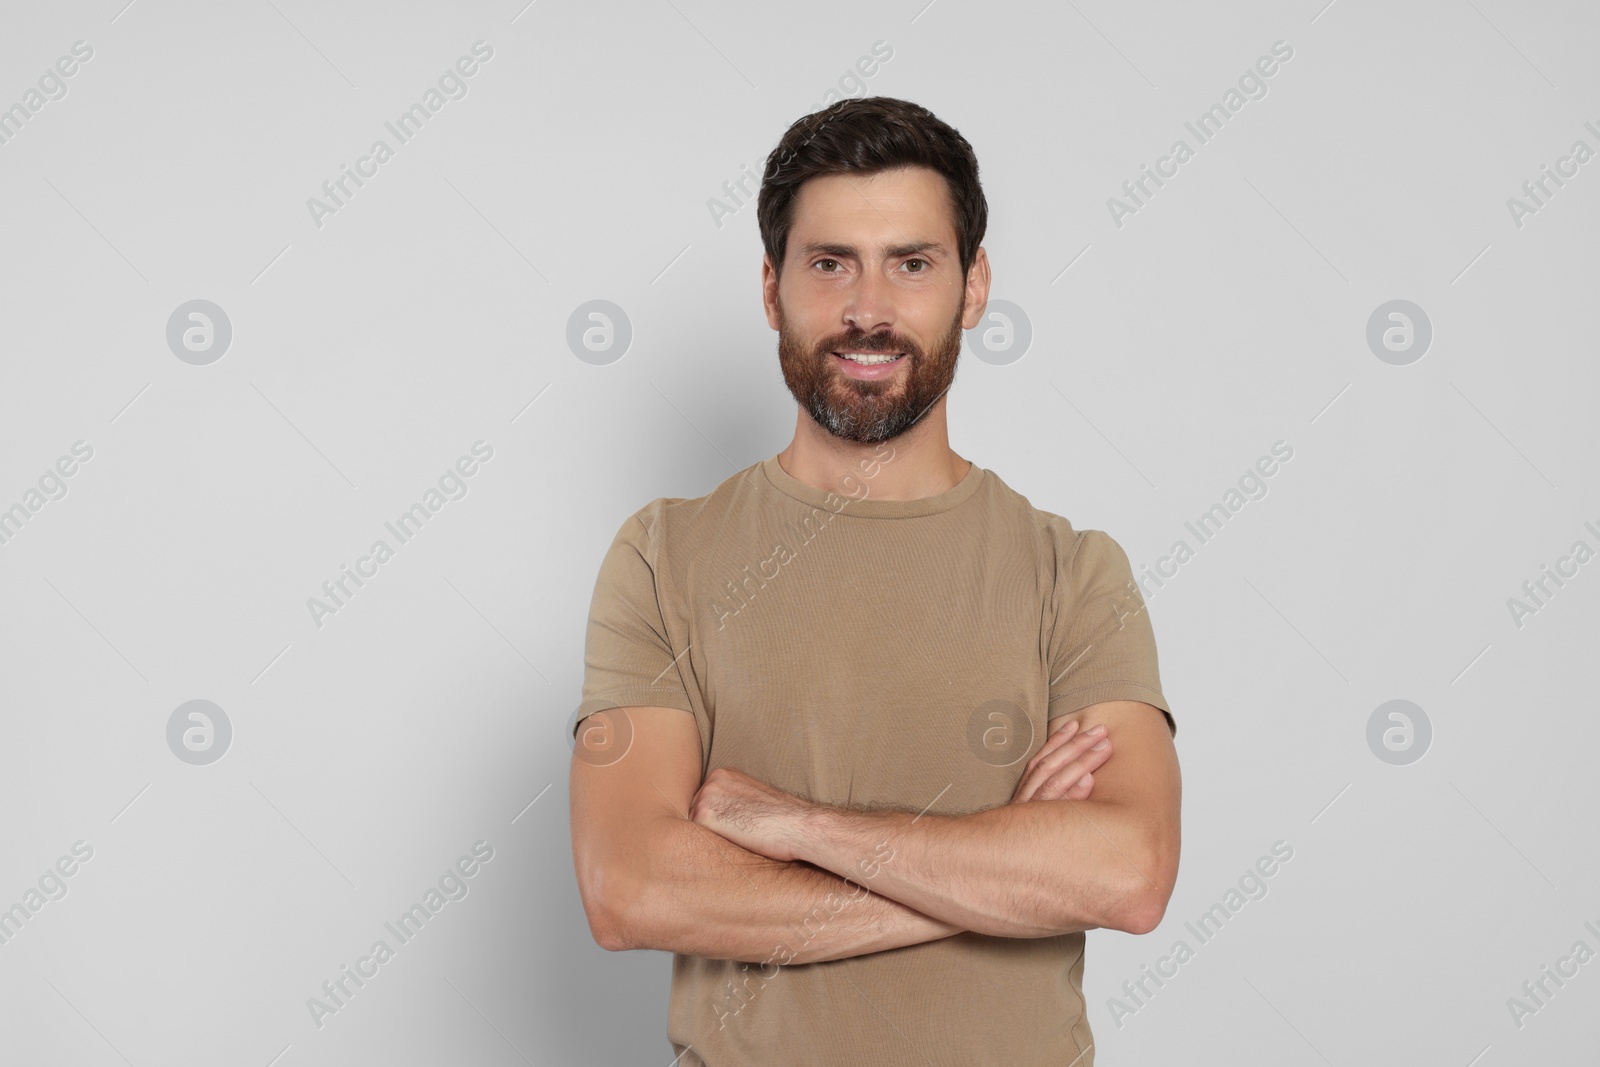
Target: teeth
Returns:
[867, 358]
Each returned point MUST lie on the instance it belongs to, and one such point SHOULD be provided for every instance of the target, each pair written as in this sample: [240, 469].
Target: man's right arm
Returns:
[651, 878]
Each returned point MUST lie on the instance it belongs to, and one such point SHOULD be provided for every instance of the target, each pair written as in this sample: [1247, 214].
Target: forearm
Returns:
[1022, 870]
[693, 891]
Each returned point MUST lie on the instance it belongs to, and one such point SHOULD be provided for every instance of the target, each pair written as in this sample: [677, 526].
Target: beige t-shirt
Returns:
[868, 652]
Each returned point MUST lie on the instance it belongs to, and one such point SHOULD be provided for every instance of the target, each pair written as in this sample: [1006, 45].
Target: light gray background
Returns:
[430, 312]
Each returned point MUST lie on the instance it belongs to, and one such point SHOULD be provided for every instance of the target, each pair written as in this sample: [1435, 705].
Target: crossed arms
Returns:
[732, 868]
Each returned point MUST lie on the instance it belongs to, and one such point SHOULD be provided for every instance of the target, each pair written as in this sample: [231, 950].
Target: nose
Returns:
[870, 307]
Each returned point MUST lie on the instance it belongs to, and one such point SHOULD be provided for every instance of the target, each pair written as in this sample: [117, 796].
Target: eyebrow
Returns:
[893, 251]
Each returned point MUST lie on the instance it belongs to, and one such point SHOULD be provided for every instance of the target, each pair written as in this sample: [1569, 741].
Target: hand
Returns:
[750, 813]
[1063, 767]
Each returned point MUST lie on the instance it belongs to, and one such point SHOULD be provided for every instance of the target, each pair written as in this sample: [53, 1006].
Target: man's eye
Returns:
[921, 261]
[820, 262]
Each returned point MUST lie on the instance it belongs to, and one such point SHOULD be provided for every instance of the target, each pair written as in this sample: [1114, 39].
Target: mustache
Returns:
[862, 342]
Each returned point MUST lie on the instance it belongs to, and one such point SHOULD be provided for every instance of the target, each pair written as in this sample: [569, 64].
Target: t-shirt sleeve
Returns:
[628, 660]
[1102, 646]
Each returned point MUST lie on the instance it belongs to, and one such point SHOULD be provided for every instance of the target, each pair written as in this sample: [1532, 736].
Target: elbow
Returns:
[1144, 915]
[605, 925]
[613, 929]
[610, 939]
[1145, 897]
[605, 906]
[606, 928]
[627, 891]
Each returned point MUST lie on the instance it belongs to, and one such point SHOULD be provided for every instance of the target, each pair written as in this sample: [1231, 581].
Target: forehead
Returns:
[911, 204]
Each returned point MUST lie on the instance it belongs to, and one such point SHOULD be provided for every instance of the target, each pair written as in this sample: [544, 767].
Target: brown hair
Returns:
[866, 136]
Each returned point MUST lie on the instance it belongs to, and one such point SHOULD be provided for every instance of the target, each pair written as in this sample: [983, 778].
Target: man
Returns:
[845, 745]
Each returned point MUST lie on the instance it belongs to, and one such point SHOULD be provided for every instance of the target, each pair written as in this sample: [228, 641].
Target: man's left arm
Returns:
[1025, 869]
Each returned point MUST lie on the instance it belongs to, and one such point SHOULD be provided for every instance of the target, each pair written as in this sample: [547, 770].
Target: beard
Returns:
[867, 412]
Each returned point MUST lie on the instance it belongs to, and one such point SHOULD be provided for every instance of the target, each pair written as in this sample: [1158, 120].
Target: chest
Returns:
[875, 668]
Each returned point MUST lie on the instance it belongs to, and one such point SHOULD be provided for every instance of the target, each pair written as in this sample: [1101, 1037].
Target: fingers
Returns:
[1052, 743]
[1074, 780]
[1061, 738]
[1068, 782]
[1050, 759]
[1079, 790]
[1055, 771]
[1056, 789]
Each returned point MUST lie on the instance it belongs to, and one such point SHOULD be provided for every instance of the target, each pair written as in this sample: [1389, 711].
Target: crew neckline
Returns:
[866, 506]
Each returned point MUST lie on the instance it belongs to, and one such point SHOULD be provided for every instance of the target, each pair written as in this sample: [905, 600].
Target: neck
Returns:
[918, 463]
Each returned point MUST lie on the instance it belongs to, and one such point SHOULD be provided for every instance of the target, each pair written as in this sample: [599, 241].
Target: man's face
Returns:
[871, 268]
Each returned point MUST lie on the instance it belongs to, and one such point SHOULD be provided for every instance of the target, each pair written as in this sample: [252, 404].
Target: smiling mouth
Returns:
[869, 359]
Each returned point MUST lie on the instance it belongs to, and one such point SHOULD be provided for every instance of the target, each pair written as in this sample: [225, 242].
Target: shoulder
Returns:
[1001, 501]
[669, 520]
[1073, 552]
[1055, 533]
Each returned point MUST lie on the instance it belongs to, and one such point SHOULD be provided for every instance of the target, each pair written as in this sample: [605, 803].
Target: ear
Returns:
[769, 291]
[976, 297]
